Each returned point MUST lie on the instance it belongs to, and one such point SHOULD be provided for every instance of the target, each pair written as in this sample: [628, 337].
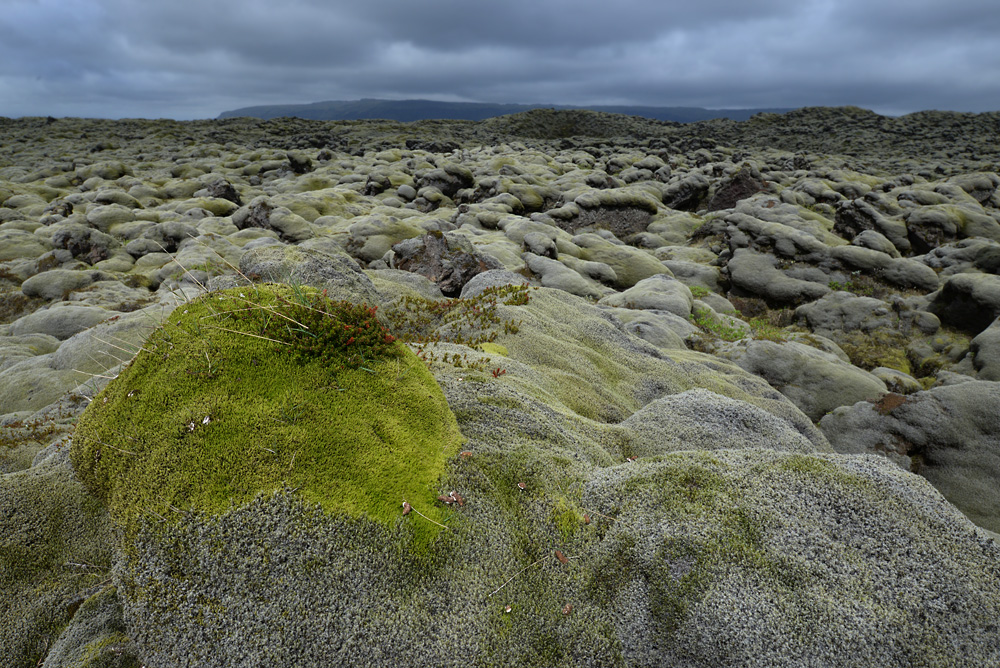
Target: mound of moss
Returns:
[266, 388]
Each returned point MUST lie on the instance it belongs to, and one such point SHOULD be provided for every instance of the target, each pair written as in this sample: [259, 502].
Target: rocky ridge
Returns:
[754, 358]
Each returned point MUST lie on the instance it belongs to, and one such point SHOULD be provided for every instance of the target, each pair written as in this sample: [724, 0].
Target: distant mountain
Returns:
[418, 110]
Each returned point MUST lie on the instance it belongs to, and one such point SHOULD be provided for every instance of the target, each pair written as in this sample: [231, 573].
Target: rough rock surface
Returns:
[667, 311]
[449, 261]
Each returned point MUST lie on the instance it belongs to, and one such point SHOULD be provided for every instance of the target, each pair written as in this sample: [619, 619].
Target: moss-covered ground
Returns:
[54, 551]
[233, 398]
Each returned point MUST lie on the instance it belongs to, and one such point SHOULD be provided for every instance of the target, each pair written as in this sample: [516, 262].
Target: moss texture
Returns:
[54, 549]
[216, 410]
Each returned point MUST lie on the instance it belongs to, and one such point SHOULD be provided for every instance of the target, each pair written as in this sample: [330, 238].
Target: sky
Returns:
[187, 59]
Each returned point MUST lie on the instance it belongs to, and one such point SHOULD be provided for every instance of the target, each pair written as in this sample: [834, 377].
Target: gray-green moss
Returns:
[55, 548]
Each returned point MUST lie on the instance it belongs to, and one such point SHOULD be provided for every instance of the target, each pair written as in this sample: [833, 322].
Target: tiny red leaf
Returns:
[568, 609]
[406, 508]
[561, 557]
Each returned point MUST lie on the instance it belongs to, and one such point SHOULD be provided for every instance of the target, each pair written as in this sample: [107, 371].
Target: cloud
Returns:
[187, 59]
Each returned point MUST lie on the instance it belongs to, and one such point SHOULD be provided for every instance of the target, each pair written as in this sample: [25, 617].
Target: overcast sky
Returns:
[189, 59]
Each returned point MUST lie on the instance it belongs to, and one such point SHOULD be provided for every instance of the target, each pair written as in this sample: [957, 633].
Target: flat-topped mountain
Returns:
[419, 110]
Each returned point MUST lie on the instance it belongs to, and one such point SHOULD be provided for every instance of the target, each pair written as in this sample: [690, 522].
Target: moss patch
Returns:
[53, 549]
[219, 408]
[882, 348]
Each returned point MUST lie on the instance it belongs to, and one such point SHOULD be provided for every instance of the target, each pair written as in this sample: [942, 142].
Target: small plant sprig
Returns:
[703, 319]
[764, 330]
[470, 322]
[340, 334]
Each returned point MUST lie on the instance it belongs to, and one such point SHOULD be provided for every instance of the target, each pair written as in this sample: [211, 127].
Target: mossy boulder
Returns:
[630, 265]
[238, 396]
[17, 244]
[948, 434]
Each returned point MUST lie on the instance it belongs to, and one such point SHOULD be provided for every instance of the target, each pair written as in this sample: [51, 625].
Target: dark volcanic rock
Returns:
[448, 260]
[224, 190]
[688, 194]
[85, 243]
[255, 214]
[745, 183]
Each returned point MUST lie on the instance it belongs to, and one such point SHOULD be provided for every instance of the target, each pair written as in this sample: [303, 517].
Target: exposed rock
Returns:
[86, 244]
[448, 179]
[447, 259]
[855, 217]
[262, 213]
[223, 189]
[745, 183]
[688, 193]
[621, 211]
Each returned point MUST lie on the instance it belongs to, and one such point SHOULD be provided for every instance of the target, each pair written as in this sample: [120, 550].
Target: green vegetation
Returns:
[764, 329]
[56, 548]
[867, 351]
[13, 305]
[684, 491]
[720, 328]
[254, 390]
[865, 285]
[472, 322]
[313, 327]
[698, 291]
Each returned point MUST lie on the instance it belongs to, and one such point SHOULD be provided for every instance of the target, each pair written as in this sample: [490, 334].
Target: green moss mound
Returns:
[233, 398]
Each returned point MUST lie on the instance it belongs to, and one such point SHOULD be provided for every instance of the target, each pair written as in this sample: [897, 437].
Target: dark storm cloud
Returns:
[187, 59]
